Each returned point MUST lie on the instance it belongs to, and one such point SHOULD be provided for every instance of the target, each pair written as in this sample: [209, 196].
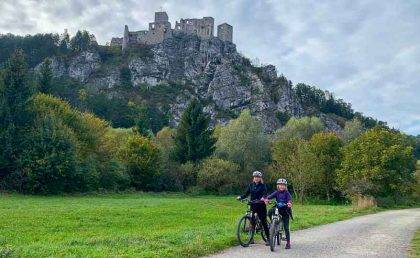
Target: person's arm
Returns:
[289, 199]
[270, 196]
[248, 191]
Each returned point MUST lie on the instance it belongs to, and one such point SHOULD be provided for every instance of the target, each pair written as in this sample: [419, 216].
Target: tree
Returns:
[193, 138]
[326, 147]
[352, 130]
[45, 76]
[141, 157]
[64, 44]
[81, 41]
[378, 163]
[15, 117]
[218, 176]
[125, 77]
[295, 160]
[244, 142]
[300, 128]
[48, 164]
[171, 179]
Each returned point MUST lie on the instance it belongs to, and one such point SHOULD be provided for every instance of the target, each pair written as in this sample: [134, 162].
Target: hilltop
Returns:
[159, 80]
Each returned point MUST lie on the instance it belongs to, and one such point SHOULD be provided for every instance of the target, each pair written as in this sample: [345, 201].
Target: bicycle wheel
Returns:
[245, 231]
[264, 238]
[280, 234]
[273, 235]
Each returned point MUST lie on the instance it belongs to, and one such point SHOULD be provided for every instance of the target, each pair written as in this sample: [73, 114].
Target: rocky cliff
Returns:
[211, 70]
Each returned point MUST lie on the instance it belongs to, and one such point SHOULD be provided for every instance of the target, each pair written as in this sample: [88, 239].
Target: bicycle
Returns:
[276, 227]
[248, 226]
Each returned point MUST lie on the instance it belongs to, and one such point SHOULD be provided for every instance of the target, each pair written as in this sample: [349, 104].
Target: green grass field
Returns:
[415, 245]
[131, 225]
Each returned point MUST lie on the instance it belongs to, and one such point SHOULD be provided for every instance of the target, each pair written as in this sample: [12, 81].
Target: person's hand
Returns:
[289, 204]
[238, 198]
[264, 200]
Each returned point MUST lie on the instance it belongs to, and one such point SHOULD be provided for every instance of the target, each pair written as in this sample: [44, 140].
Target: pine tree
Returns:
[14, 116]
[45, 77]
[193, 139]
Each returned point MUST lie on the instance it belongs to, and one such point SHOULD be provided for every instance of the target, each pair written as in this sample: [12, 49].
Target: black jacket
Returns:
[257, 191]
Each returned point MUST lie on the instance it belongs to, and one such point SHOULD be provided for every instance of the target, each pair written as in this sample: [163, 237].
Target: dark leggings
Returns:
[261, 211]
[285, 217]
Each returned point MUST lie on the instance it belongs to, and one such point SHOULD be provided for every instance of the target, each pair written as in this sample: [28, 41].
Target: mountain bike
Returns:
[248, 226]
[276, 227]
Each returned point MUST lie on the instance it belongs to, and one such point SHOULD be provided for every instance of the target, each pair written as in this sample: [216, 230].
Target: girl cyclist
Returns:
[257, 190]
[284, 204]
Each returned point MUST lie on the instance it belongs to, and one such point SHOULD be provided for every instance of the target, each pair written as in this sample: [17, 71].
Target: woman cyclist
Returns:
[284, 204]
[257, 190]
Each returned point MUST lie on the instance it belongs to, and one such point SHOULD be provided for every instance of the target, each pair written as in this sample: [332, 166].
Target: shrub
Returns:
[49, 162]
[300, 128]
[379, 163]
[140, 157]
[244, 142]
[219, 176]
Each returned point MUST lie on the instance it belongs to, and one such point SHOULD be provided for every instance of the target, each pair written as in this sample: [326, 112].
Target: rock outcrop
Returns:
[210, 69]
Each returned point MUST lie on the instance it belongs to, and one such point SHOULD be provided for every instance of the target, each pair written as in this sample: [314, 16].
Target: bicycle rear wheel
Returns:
[245, 231]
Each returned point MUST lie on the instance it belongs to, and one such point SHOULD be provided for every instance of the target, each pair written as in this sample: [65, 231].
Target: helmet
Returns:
[257, 174]
[282, 181]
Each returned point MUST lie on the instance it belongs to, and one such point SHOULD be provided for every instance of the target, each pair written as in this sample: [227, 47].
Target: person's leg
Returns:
[286, 220]
[262, 214]
[271, 213]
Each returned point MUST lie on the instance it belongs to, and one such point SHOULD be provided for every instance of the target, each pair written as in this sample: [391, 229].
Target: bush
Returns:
[49, 163]
[140, 157]
[187, 175]
[300, 128]
[219, 176]
[379, 163]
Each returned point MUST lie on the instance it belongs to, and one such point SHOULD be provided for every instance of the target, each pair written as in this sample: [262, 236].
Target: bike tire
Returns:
[273, 235]
[264, 238]
[242, 224]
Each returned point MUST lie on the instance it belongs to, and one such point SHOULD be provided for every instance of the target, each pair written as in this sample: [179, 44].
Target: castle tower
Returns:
[225, 32]
[161, 17]
[125, 41]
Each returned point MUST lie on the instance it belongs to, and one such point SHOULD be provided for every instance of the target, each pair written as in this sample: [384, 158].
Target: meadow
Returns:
[132, 224]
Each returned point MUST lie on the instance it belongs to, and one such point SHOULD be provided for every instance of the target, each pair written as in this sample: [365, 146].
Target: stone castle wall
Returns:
[161, 29]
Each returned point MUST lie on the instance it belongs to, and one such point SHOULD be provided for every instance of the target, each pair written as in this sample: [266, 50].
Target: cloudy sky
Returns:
[366, 52]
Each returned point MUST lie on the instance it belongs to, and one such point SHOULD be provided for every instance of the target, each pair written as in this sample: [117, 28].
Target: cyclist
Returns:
[257, 190]
[284, 204]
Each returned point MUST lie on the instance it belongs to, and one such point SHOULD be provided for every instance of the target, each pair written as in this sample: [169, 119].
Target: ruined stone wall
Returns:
[116, 41]
[204, 28]
[161, 29]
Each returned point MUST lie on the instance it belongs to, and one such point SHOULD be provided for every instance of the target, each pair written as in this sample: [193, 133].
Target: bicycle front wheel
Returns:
[245, 231]
[273, 235]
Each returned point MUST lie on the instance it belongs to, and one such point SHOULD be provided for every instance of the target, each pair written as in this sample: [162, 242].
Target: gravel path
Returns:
[384, 234]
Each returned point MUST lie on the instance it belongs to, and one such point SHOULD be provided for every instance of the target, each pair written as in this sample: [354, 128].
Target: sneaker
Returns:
[288, 245]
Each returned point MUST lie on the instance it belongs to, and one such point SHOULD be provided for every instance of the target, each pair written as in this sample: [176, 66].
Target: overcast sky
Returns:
[366, 52]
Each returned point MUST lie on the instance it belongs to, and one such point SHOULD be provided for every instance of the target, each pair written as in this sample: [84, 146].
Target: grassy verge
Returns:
[415, 245]
[132, 225]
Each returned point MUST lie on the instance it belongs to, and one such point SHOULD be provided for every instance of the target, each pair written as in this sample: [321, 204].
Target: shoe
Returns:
[267, 243]
[288, 245]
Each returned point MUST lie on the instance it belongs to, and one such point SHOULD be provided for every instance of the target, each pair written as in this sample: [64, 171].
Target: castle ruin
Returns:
[161, 29]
